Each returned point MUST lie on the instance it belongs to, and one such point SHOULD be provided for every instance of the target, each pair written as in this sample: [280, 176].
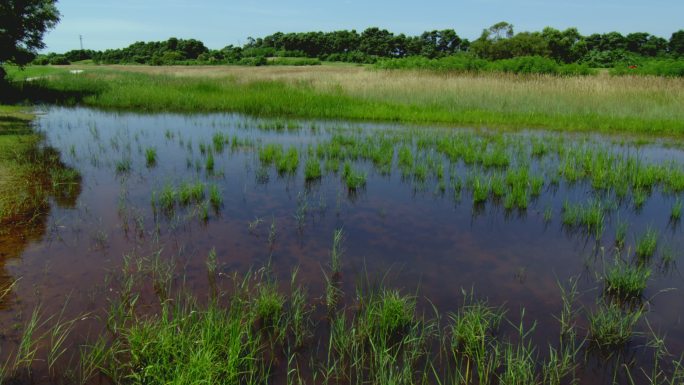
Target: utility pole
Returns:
[80, 38]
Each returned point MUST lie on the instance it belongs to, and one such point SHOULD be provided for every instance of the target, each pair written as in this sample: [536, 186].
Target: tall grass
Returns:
[647, 106]
[472, 64]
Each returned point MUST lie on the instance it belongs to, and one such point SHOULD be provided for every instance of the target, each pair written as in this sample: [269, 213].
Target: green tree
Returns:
[22, 26]
[376, 41]
[566, 46]
[676, 45]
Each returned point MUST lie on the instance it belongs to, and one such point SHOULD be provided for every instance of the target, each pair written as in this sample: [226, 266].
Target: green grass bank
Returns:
[625, 104]
[30, 173]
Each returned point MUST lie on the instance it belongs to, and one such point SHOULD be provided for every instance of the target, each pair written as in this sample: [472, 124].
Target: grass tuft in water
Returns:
[646, 245]
[215, 197]
[676, 212]
[123, 166]
[269, 305]
[353, 178]
[611, 327]
[312, 169]
[588, 216]
[210, 163]
[625, 281]
[151, 157]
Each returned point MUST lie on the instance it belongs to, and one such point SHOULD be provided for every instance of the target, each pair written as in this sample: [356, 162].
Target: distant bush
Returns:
[294, 61]
[253, 61]
[525, 65]
[294, 53]
[608, 58]
[41, 60]
[468, 63]
[351, 57]
[258, 52]
[664, 67]
[455, 63]
[59, 60]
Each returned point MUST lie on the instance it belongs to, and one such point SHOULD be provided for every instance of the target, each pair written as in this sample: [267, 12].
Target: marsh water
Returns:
[421, 235]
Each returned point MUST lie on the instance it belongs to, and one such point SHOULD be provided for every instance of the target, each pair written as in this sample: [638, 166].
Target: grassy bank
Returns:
[30, 173]
[640, 105]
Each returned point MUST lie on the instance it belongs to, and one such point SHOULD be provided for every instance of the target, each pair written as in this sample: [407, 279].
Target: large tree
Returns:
[677, 43]
[22, 26]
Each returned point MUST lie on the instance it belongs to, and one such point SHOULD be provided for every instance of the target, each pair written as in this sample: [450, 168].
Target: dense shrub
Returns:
[665, 67]
[294, 61]
[59, 60]
[253, 61]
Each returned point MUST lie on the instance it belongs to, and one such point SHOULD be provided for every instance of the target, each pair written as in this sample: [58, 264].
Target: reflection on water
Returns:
[411, 221]
[39, 179]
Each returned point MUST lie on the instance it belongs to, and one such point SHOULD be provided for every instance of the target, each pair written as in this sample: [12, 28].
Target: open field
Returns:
[636, 105]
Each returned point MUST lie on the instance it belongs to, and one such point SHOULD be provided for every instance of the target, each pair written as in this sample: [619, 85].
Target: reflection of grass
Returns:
[29, 172]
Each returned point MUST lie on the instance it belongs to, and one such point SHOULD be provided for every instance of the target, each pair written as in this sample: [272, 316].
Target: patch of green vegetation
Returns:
[30, 173]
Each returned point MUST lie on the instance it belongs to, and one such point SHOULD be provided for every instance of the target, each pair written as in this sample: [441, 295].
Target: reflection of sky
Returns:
[116, 24]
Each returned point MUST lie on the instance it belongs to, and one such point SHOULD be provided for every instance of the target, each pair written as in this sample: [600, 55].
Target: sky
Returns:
[116, 24]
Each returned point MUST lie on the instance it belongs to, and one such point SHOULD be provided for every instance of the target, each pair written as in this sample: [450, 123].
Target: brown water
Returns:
[415, 236]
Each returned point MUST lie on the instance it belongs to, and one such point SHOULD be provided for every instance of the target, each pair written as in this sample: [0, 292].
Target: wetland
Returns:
[224, 248]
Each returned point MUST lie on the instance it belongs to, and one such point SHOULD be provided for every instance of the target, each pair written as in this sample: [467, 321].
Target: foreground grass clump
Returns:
[269, 306]
[391, 312]
[473, 325]
[602, 103]
[252, 333]
[186, 345]
[612, 327]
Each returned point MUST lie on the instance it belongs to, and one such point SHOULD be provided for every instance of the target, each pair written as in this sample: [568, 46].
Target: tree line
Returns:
[495, 43]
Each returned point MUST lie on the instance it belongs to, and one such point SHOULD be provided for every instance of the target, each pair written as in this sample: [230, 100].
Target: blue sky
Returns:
[116, 24]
